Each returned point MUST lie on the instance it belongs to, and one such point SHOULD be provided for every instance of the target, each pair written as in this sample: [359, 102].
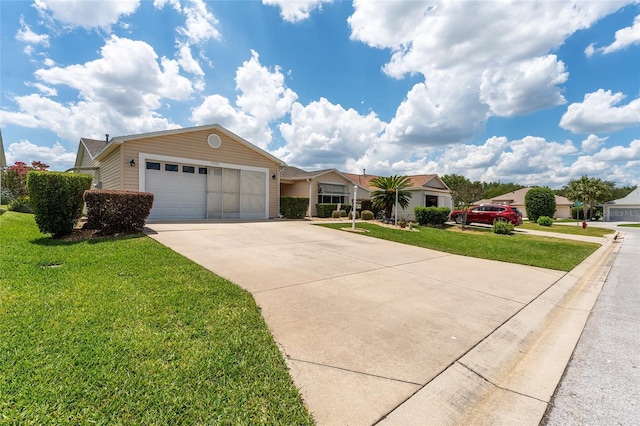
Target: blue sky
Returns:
[537, 93]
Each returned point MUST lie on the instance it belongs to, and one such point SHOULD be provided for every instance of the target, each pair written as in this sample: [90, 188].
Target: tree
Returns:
[495, 189]
[540, 202]
[589, 191]
[385, 197]
[14, 178]
[463, 193]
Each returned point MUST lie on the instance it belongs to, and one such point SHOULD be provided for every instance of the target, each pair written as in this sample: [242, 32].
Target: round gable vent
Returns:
[214, 140]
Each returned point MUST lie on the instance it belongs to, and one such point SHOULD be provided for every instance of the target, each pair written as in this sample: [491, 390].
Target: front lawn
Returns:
[125, 331]
[545, 252]
[589, 231]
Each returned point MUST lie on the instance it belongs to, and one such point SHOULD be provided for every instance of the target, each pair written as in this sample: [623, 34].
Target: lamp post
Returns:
[353, 211]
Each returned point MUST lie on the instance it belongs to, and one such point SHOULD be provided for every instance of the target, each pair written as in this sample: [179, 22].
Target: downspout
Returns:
[310, 193]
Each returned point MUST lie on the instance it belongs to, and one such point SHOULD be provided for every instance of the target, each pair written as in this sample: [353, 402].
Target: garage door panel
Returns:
[177, 195]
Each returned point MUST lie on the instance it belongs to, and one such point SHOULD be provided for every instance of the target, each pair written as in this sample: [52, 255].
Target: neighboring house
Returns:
[320, 186]
[426, 191]
[516, 199]
[625, 209]
[204, 172]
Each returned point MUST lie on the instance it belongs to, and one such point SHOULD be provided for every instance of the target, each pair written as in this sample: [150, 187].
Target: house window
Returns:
[332, 193]
[152, 165]
[202, 170]
[188, 169]
[171, 167]
[431, 201]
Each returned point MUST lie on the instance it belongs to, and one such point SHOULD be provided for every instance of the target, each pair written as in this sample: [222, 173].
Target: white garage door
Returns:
[180, 190]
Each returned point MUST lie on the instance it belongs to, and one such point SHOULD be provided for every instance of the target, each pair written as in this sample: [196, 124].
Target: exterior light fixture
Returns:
[132, 162]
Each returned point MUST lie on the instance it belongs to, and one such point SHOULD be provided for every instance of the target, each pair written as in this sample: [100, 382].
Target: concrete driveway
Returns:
[366, 324]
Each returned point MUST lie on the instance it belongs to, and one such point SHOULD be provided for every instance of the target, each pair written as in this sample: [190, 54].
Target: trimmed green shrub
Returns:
[540, 202]
[545, 221]
[368, 205]
[351, 215]
[367, 215]
[335, 214]
[502, 227]
[56, 199]
[113, 211]
[326, 210]
[294, 207]
[20, 204]
[432, 216]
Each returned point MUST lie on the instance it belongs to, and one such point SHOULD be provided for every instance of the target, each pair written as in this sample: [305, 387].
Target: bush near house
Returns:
[432, 216]
[545, 221]
[20, 204]
[368, 205]
[540, 202]
[326, 210]
[56, 199]
[294, 207]
[113, 212]
[502, 227]
[367, 215]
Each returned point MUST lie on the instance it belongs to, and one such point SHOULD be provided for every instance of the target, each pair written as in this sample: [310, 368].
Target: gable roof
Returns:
[430, 181]
[633, 198]
[517, 197]
[294, 173]
[119, 140]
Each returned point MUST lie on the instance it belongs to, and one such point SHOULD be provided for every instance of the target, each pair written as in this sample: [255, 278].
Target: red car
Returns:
[487, 213]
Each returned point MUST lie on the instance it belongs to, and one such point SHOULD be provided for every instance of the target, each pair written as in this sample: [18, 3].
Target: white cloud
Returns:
[263, 91]
[592, 143]
[599, 113]
[86, 14]
[117, 96]
[43, 88]
[323, 135]
[524, 87]
[625, 37]
[55, 156]
[263, 98]
[479, 59]
[200, 24]
[133, 86]
[296, 10]
[26, 35]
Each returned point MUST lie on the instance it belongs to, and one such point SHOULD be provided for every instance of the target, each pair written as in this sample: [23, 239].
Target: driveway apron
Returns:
[363, 323]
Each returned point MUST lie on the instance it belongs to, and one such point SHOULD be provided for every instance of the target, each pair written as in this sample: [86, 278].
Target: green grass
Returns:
[630, 225]
[589, 231]
[545, 252]
[125, 331]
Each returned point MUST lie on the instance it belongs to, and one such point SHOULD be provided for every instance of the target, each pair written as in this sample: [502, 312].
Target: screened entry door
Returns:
[236, 194]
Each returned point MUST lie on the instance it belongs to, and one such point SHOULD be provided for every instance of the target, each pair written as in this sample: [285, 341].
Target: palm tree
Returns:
[589, 191]
[385, 196]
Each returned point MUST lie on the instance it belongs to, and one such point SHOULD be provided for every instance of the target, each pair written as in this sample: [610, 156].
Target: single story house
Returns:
[516, 199]
[320, 186]
[426, 191]
[204, 172]
[625, 209]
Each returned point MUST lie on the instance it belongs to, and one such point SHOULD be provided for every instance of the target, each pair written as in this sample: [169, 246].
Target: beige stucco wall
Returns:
[193, 145]
[418, 200]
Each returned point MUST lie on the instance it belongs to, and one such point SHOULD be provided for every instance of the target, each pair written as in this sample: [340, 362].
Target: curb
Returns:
[511, 376]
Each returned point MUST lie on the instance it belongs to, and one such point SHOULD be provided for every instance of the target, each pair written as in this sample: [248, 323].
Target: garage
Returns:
[196, 173]
[192, 191]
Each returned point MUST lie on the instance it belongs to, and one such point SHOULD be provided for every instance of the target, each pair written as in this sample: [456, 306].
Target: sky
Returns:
[531, 92]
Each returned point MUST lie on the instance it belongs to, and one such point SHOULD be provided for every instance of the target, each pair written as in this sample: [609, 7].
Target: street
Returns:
[601, 385]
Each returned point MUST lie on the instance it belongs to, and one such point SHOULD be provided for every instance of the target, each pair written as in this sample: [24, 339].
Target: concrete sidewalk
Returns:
[380, 332]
